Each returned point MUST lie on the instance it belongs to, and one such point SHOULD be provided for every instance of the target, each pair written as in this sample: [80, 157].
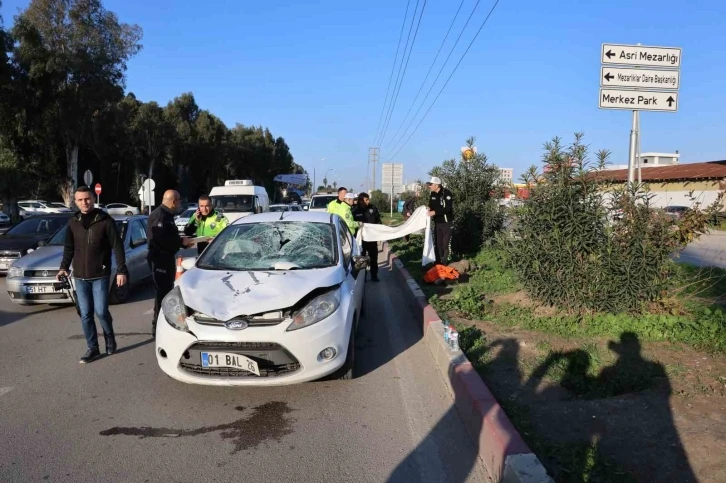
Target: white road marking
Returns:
[5, 390]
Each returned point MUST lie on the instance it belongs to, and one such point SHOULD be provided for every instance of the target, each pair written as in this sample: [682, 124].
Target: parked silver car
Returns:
[31, 279]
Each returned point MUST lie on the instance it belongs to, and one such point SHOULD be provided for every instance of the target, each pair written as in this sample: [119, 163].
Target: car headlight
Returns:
[319, 308]
[29, 250]
[15, 272]
[174, 310]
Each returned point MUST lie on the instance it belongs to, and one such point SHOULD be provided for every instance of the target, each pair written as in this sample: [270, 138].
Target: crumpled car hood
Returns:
[226, 294]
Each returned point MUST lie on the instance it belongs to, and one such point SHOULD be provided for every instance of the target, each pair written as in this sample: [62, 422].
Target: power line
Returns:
[441, 71]
[447, 80]
[393, 68]
[402, 73]
[441, 47]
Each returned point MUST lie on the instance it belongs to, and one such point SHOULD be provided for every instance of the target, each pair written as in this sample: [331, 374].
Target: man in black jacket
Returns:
[365, 212]
[164, 243]
[90, 237]
[441, 211]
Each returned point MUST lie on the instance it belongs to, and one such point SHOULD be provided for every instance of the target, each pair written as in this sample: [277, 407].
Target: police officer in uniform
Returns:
[341, 208]
[441, 211]
[205, 222]
[164, 243]
[365, 212]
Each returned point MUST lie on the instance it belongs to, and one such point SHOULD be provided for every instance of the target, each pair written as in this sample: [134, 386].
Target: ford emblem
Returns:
[45, 273]
[236, 324]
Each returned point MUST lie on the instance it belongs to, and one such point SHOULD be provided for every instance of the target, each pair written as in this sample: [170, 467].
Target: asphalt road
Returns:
[708, 251]
[121, 419]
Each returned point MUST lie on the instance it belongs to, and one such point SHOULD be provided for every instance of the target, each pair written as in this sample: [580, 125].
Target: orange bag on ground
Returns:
[440, 271]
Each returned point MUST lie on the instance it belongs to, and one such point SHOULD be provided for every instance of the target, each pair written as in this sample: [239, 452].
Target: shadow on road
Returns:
[131, 347]
[7, 318]
[374, 348]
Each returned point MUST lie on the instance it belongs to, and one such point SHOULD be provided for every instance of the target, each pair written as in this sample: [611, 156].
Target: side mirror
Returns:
[361, 262]
[42, 243]
[188, 263]
[137, 243]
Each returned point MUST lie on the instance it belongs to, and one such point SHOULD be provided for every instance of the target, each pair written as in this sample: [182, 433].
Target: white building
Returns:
[412, 188]
[392, 178]
[650, 160]
[506, 175]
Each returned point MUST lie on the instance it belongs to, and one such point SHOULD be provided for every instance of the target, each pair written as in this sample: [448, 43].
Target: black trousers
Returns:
[163, 271]
[371, 249]
[442, 238]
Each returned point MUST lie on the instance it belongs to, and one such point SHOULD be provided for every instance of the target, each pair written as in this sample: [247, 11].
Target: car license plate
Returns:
[40, 289]
[235, 361]
[3, 266]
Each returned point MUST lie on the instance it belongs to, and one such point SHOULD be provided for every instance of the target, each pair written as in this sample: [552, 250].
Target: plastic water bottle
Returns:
[447, 331]
[454, 340]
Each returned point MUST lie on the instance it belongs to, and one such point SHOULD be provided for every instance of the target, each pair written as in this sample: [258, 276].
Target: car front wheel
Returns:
[346, 372]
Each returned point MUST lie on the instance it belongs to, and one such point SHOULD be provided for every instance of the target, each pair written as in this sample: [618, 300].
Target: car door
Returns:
[136, 253]
[354, 281]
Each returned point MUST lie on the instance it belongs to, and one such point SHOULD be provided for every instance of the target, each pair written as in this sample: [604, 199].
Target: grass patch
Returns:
[693, 314]
[387, 219]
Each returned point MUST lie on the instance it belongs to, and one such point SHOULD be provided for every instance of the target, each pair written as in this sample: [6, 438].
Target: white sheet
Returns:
[418, 221]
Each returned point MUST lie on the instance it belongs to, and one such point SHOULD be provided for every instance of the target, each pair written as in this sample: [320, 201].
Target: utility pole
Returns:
[372, 160]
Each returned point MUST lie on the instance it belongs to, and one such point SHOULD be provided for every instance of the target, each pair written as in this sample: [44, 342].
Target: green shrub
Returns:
[474, 185]
[568, 251]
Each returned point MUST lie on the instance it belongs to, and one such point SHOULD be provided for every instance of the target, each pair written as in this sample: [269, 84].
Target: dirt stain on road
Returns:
[269, 421]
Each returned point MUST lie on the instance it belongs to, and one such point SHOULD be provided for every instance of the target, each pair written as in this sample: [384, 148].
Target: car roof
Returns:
[50, 215]
[128, 218]
[308, 216]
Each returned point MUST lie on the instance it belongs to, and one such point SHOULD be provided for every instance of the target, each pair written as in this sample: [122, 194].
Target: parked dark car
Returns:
[676, 212]
[26, 236]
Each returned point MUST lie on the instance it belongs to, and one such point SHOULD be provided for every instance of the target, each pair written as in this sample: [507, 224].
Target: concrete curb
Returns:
[505, 455]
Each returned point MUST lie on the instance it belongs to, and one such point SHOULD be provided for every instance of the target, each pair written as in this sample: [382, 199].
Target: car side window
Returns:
[138, 234]
[346, 244]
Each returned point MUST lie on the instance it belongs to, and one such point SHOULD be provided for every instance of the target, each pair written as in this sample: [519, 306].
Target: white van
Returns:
[239, 198]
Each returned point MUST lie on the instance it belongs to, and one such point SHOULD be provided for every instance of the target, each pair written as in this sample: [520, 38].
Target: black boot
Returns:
[110, 343]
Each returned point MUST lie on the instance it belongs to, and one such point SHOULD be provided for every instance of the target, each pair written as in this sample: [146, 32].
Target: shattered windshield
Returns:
[234, 203]
[280, 245]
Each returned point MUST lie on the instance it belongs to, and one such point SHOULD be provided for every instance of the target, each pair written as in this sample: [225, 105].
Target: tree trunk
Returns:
[71, 173]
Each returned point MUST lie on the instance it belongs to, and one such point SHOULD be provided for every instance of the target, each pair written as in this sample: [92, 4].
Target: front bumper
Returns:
[20, 291]
[6, 261]
[283, 357]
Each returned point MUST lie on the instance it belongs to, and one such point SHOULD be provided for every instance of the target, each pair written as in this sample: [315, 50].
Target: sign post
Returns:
[98, 193]
[146, 193]
[648, 81]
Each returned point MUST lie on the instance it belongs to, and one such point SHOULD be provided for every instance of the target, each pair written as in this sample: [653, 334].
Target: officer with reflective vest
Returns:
[205, 222]
[342, 208]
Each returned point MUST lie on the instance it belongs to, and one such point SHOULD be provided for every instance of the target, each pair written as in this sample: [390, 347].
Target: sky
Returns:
[316, 73]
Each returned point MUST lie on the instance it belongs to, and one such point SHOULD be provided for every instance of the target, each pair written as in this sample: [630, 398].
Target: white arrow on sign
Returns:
[639, 78]
[644, 55]
[666, 101]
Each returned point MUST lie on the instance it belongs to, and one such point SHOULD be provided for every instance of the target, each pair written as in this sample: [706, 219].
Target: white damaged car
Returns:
[274, 299]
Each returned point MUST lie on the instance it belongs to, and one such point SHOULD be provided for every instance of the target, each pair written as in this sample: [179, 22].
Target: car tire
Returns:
[120, 295]
[128, 213]
[345, 373]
